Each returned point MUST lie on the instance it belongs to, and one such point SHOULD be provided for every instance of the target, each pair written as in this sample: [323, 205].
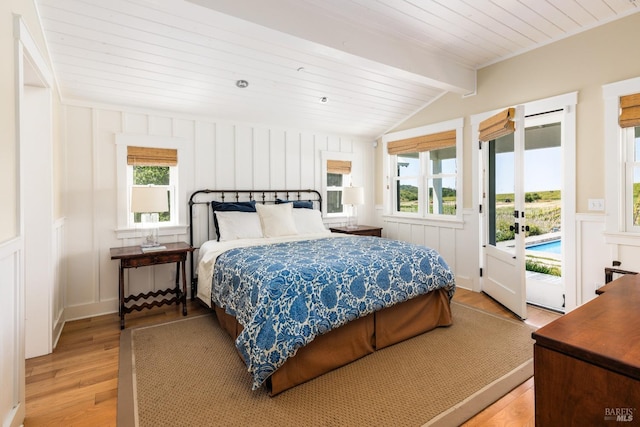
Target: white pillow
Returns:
[309, 221]
[276, 220]
[235, 225]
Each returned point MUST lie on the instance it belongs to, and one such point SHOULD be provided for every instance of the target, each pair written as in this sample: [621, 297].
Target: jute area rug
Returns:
[187, 373]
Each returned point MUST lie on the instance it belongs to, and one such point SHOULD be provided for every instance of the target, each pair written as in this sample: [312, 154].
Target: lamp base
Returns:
[150, 230]
[352, 222]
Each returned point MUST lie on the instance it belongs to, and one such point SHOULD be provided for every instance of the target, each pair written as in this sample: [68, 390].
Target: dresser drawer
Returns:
[153, 259]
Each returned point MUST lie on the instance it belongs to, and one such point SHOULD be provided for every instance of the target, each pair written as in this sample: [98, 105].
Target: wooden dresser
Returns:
[587, 362]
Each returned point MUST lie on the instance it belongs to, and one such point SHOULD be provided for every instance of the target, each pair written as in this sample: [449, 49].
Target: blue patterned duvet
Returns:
[286, 294]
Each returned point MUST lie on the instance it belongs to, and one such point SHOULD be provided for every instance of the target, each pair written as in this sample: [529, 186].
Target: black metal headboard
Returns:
[201, 226]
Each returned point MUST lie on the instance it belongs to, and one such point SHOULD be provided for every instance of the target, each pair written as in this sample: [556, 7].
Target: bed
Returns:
[298, 300]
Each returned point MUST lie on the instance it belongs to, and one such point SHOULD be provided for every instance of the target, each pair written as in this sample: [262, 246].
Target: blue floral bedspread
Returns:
[286, 294]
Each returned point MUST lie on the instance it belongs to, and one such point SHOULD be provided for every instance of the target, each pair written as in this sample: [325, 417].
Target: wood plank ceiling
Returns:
[375, 62]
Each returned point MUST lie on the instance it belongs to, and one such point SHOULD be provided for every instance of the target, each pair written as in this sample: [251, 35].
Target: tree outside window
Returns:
[156, 176]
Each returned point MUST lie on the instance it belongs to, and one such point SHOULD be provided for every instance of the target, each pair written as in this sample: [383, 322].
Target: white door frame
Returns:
[567, 102]
[504, 269]
[35, 154]
[542, 292]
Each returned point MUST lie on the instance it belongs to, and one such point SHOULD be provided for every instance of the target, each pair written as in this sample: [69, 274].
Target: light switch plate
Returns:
[596, 204]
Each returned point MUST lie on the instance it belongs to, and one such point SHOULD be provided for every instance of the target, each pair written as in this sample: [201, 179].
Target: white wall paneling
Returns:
[277, 159]
[161, 126]
[60, 280]
[224, 160]
[203, 172]
[135, 123]
[261, 159]
[12, 373]
[308, 171]
[212, 154]
[243, 160]
[457, 243]
[592, 255]
[293, 161]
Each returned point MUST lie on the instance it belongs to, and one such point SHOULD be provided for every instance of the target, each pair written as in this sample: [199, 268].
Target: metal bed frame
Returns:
[200, 202]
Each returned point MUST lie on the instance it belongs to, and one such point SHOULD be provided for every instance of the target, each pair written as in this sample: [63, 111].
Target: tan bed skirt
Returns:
[355, 339]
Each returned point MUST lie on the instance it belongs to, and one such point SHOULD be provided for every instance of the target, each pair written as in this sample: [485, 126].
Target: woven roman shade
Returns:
[499, 125]
[145, 156]
[421, 143]
[342, 167]
[629, 111]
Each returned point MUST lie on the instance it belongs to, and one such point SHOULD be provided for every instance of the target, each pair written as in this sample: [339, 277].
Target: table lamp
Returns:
[149, 201]
[352, 196]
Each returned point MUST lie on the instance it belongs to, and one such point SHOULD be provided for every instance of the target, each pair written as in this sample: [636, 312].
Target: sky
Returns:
[543, 170]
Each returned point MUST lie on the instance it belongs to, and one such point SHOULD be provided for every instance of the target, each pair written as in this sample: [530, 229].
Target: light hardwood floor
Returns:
[78, 383]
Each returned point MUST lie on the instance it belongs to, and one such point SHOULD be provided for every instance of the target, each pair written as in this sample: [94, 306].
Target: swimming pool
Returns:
[554, 247]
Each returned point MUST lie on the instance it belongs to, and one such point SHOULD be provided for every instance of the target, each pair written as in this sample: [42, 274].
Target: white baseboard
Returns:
[84, 311]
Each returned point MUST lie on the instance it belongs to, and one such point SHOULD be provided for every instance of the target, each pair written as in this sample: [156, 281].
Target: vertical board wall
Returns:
[217, 155]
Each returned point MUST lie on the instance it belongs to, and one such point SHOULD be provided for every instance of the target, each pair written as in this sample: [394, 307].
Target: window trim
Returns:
[333, 155]
[615, 164]
[389, 165]
[125, 229]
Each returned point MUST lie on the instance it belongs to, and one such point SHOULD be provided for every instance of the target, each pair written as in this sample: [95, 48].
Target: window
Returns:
[629, 121]
[622, 160]
[157, 167]
[338, 174]
[407, 182]
[434, 170]
[160, 154]
[423, 168]
[631, 139]
[441, 181]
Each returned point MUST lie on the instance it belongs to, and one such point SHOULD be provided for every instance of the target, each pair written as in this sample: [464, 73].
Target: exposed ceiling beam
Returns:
[338, 39]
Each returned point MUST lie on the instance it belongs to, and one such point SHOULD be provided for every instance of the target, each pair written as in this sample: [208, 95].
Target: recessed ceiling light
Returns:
[242, 84]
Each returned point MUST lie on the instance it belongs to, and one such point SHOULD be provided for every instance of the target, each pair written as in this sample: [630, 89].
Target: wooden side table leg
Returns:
[184, 289]
[178, 278]
[121, 295]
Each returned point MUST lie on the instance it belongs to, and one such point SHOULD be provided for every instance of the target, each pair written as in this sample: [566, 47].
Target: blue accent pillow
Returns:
[304, 204]
[234, 206]
[228, 207]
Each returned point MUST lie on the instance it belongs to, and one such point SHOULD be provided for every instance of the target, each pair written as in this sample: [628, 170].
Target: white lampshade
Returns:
[149, 199]
[353, 196]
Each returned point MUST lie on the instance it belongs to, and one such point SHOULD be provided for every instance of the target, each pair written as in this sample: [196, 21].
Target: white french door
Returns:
[504, 276]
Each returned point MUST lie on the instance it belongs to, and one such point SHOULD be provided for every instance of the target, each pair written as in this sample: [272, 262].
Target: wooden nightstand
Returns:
[134, 257]
[360, 230]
